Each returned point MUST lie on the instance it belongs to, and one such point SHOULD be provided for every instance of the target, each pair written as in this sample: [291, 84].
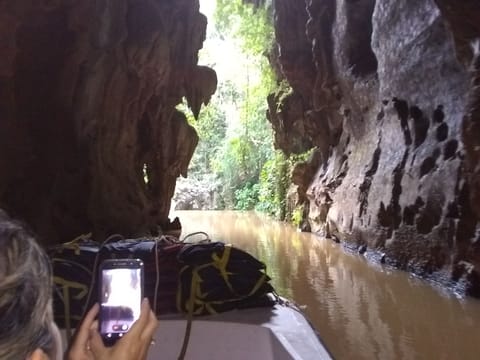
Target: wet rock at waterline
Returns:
[388, 92]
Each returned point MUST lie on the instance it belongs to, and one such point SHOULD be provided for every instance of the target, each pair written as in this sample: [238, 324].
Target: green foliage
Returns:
[273, 186]
[248, 142]
[246, 197]
[282, 90]
[303, 157]
[236, 140]
[211, 128]
[251, 27]
[237, 164]
[297, 215]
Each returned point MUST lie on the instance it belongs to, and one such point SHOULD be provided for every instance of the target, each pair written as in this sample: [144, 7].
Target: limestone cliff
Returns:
[388, 92]
[88, 91]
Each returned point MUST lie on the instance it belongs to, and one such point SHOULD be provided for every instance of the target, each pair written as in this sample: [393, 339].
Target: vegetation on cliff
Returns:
[235, 164]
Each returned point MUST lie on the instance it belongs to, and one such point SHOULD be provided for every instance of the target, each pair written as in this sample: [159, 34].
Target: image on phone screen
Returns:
[120, 300]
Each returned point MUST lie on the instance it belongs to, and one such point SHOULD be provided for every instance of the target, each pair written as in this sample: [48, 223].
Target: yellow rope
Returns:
[221, 264]
[257, 286]
[196, 296]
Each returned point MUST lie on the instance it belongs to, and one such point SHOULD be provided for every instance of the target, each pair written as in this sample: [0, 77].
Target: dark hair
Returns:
[25, 293]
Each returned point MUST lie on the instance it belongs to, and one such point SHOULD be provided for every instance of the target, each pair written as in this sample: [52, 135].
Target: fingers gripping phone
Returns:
[121, 294]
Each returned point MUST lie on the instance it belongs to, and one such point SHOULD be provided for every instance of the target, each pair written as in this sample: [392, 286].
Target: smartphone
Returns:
[120, 297]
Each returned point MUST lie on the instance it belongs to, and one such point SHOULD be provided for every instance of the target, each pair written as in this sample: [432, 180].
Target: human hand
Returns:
[133, 345]
[80, 347]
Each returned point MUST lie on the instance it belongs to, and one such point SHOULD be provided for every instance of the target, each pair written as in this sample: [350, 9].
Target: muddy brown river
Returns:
[361, 310]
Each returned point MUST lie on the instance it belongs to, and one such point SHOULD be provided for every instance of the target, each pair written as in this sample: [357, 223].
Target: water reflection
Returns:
[362, 310]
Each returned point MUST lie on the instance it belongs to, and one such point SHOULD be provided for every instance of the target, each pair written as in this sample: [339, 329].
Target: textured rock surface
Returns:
[195, 194]
[88, 91]
[386, 92]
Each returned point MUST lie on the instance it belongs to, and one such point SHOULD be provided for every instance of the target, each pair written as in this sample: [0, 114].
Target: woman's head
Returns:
[25, 293]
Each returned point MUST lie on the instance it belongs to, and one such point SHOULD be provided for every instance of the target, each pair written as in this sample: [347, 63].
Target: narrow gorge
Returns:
[387, 92]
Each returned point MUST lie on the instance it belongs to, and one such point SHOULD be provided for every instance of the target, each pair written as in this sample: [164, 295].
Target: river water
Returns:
[361, 310]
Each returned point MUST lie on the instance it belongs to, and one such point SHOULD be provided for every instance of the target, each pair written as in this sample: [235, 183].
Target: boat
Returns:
[276, 330]
[281, 332]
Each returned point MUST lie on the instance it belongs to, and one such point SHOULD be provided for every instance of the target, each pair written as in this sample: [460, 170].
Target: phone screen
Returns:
[120, 301]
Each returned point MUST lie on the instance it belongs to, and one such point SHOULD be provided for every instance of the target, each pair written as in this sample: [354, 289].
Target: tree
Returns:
[238, 149]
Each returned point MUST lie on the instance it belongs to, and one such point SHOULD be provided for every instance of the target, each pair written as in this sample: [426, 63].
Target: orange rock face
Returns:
[88, 91]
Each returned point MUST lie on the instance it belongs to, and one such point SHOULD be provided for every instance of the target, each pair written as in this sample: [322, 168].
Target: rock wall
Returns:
[388, 92]
[88, 91]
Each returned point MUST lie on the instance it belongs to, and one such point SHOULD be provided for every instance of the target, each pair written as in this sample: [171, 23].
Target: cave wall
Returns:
[388, 93]
[88, 91]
